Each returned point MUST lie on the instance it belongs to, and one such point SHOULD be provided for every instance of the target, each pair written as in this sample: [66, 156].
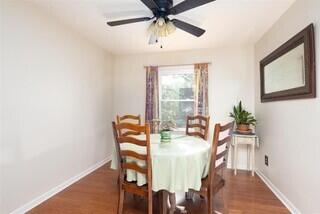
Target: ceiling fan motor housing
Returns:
[164, 6]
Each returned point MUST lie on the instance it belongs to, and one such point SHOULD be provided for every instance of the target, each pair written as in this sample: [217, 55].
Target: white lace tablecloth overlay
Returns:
[176, 166]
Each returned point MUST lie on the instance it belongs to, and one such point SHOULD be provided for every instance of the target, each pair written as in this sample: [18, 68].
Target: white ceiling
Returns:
[227, 23]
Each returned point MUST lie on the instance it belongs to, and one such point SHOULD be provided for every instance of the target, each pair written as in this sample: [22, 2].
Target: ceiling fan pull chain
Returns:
[161, 42]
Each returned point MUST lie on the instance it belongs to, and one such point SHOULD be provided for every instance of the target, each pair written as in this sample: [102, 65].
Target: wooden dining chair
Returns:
[123, 165]
[198, 126]
[134, 119]
[215, 180]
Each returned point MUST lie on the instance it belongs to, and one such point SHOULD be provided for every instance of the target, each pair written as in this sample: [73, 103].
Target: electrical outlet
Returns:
[266, 160]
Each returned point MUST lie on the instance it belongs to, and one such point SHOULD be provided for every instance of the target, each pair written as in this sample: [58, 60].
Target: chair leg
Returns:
[225, 201]
[173, 203]
[150, 204]
[163, 198]
[120, 203]
[210, 203]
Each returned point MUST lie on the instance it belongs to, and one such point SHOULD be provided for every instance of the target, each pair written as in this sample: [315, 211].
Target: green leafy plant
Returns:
[241, 116]
[167, 125]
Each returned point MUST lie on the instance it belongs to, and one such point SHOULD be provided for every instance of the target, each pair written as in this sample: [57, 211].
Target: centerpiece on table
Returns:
[243, 119]
[166, 130]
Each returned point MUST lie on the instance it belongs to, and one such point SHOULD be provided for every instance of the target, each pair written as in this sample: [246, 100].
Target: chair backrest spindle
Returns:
[198, 126]
[133, 119]
[224, 143]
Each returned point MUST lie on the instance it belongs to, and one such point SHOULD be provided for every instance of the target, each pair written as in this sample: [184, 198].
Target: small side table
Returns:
[241, 139]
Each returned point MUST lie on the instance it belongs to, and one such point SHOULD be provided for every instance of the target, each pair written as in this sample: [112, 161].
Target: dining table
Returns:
[177, 166]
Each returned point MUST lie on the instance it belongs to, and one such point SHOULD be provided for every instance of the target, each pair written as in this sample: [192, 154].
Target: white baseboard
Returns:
[35, 202]
[278, 193]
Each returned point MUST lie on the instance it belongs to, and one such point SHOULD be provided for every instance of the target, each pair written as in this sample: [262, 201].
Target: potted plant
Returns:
[242, 118]
[166, 129]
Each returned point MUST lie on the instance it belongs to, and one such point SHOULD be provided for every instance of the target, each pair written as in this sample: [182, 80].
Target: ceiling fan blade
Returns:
[151, 5]
[128, 21]
[188, 27]
[187, 5]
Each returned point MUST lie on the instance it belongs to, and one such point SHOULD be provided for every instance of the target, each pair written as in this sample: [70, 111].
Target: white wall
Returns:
[1, 118]
[230, 80]
[57, 94]
[289, 129]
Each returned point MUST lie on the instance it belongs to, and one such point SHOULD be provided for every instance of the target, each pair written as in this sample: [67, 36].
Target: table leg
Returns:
[248, 158]
[232, 152]
[252, 159]
[173, 205]
[235, 152]
[163, 202]
[189, 195]
[232, 155]
[168, 200]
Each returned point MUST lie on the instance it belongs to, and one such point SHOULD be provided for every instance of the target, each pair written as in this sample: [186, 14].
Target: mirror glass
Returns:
[286, 72]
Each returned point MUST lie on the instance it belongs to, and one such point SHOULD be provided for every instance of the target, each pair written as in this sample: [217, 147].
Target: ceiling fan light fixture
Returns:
[161, 21]
[152, 27]
[163, 29]
[171, 28]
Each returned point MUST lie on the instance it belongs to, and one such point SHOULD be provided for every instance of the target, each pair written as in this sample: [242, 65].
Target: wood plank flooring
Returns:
[97, 193]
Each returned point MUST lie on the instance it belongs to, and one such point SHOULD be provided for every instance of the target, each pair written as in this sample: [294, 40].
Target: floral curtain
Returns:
[201, 77]
[152, 96]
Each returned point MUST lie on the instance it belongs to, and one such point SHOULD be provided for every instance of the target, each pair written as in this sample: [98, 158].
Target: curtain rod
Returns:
[174, 65]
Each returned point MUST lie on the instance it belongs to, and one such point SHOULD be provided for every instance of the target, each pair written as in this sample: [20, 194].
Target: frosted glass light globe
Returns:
[160, 22]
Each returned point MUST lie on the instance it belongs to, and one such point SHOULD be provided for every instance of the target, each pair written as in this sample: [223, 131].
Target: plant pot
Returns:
[165, 136]
[243, 127]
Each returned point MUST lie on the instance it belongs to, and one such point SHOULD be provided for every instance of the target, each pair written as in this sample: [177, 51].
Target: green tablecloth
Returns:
[176, 166]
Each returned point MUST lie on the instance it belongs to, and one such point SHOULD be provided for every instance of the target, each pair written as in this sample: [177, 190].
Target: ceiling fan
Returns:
[162, 25]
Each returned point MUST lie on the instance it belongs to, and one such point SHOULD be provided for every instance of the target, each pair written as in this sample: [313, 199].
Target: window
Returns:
[176, 93]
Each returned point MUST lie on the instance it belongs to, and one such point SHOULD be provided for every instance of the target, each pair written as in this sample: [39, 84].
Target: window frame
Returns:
[173, 70]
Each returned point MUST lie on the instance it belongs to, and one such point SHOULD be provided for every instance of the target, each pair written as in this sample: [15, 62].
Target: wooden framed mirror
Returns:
[289, 72]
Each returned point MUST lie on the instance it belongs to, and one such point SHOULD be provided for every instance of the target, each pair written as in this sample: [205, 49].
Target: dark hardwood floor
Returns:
[98, 193]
